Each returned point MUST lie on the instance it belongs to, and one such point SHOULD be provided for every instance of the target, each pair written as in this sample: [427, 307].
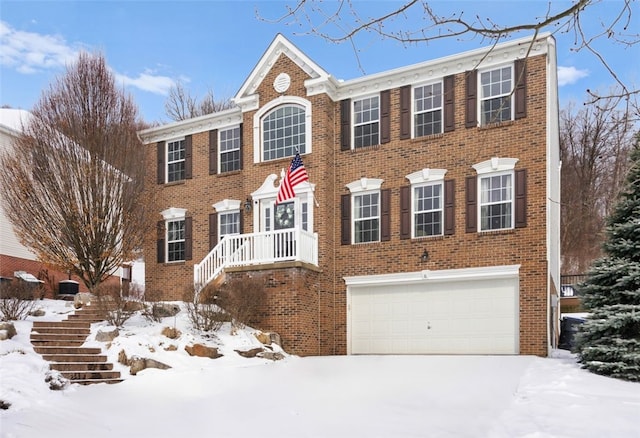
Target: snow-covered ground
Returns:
[339, 396]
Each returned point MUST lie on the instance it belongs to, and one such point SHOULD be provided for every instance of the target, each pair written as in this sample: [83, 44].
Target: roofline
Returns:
[483, 57]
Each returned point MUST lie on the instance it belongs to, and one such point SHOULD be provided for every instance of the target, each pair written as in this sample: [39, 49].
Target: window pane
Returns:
[175, 240]
[496, 200]
[283, 132]
[495, 101]
[175, 161]
[366, 218]
[427, 210]
[366, 122]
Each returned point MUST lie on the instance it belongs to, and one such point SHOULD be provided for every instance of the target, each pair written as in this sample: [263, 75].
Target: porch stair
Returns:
[61, 344]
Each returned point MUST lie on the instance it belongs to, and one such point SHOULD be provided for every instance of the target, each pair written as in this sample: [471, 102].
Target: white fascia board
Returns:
[222, 119]
[486, 272]
[279, 46]
[484, 57]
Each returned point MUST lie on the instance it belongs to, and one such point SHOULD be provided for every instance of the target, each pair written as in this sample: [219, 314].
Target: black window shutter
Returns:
[345, 125]
[521, 198]
[405, 112]
[385, 215]
[385, 116]
[213, 230]
[241, 145]
[188, 238]
[471, 203]
[471, 99]
[520, 93]
[449, 99]
[188, 157]
[213, 152]
[160, 242]
[449, 207]
[161, 155]
[405, 212]
[345, 219]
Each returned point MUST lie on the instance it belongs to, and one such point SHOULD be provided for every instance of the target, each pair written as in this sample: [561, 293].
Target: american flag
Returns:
[296, 173]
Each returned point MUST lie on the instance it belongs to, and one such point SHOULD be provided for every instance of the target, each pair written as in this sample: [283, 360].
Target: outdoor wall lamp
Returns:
[425, 256]
[247, 204]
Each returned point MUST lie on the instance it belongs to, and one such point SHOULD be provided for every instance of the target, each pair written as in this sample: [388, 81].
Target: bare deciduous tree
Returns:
[72, 184]
[180, 105]
[594, 145]
[344, 20]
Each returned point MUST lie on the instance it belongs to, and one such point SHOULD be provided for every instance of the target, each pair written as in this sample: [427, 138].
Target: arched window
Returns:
[283, 132]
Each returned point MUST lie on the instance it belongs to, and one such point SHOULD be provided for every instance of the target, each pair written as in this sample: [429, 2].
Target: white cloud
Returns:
[570, 75]
[148, 82]
[29, 52]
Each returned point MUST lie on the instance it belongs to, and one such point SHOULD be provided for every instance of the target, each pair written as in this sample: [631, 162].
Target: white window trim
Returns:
[171, 214]
[219, 151]
[421, 178]
[413, 107]
[227, 205]
[353, 118]
[279, 101]
[166, 158]
[174, 213]
[482, 98]
[364, 186]
[494, 167]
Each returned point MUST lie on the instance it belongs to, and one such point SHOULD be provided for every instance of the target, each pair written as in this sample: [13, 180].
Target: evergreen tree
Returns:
[609, 341]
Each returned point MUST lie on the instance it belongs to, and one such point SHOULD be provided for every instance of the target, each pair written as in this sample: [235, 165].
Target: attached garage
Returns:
[459, 311]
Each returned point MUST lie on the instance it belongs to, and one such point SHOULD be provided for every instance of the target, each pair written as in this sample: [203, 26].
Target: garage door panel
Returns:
[460, 317]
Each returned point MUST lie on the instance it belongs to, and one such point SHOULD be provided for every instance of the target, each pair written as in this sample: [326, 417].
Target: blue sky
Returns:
[214, 45]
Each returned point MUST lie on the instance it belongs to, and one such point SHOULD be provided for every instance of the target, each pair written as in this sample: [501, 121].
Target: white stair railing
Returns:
[255, 249]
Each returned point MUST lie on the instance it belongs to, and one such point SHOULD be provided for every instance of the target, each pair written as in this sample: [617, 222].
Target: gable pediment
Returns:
[246, 97]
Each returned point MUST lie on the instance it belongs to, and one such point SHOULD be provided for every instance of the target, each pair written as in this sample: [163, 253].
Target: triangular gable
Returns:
[280, 45]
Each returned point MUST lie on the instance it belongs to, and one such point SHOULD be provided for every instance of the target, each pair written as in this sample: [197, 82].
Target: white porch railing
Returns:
[255, 249]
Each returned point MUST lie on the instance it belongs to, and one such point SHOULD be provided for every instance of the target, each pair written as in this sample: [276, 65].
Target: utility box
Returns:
[68, 287]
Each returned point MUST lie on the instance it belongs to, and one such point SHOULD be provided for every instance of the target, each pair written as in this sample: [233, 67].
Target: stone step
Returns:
[35, 336]
[81, 366]
[56, 343]
[65, 350]
[94, 381]
[62, 331]
[61, 324]
[66, 358]
[76, 376]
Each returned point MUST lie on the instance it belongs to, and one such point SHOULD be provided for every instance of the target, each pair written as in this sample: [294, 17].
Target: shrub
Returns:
[155, 310]
[244, 299]
[113, 307]
[203, 310]
[17, 299]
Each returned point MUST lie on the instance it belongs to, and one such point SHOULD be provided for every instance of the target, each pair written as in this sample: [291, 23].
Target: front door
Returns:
[274, 219]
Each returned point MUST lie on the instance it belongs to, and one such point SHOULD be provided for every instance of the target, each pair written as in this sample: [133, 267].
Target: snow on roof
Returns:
[14, 119]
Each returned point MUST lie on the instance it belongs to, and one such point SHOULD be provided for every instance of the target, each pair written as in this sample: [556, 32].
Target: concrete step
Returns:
[49, 350]
[66, 358]
[81, 366]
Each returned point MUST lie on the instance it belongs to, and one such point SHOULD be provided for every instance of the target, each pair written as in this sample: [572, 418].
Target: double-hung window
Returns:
[496, 201]
[427, 210]
[175, 240]
[284, 132]
[229, 223]
[176, 154]
[366, 122]
[229, 149]
[427, 109]
[496, 88]
[366, 217]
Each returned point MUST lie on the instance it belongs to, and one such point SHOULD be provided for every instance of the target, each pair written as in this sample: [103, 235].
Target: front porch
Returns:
[256, 249]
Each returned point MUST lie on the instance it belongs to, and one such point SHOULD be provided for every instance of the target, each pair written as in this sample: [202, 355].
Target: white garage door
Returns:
[457, 317]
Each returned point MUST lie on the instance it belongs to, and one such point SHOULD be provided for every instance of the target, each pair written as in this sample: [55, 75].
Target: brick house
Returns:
[430, 221]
